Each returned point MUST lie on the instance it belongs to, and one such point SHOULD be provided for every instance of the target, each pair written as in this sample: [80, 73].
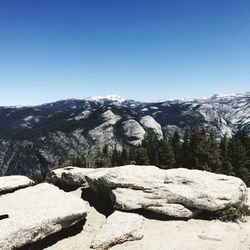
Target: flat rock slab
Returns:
[190, 235]
[119, 227]
[174, 192]
[11, 183]
[36, 212]
[159, 235]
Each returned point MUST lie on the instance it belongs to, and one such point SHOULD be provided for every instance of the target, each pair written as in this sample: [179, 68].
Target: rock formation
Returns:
[33, 213]
[119, 227]
[36, 212]
[11, 183]
[174, 192]
[71, 176]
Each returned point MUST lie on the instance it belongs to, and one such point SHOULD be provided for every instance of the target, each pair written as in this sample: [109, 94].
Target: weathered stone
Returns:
[36, 212]
[11, 183]
[165, 234]
[119, 227]
[173, 192]
[71, 176]
[190, 235]
[248, 200]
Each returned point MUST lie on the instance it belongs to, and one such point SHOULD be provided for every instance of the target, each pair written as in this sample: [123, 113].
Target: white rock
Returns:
[83, 115]
[248, 200]
[158, 234]
[83, 239]
[110, 118]
[134, 131]
[211, 115]
[150, 123]
[71, 176]
[173, 192]
[190, 235]
[35, 213]
[104, 133]
[119, 227]
[14, 182]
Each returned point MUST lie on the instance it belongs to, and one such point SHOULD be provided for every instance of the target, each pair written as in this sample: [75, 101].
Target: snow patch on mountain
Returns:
[113, 98]
[153, 107]
[28, 118]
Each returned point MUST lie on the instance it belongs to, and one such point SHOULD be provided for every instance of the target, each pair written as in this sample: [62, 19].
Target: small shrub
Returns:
[233, 214]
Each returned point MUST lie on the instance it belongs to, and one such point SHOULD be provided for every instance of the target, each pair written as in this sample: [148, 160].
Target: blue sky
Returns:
[139, 49]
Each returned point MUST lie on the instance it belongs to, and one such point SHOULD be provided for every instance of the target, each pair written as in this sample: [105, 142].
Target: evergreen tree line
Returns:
[195, 150]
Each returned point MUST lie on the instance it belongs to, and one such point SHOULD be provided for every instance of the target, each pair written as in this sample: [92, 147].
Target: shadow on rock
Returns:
[101, 204]
[54, 238]
[66, 188]
[155, 216]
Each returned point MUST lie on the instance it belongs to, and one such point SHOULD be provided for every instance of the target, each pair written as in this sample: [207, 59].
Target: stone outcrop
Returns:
[119, 227]
[36, 212]
[71, 176]
[11, 183]
[133, 131]
[190, 235]
[174, 192]
[150, 123]
[165, 234]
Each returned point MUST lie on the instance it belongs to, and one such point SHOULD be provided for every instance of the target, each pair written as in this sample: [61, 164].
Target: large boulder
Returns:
[71, 176]
[174, 192]
[36, 212]
[164, 234]
[11, 183]
[119, 227]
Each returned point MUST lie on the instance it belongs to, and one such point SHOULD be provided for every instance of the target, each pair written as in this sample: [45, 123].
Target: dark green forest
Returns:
[195, 150]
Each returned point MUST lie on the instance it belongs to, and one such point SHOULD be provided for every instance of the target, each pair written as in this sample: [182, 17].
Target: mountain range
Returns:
[36, 137]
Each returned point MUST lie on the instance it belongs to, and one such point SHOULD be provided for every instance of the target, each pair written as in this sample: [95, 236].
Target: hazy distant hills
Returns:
[32, 138]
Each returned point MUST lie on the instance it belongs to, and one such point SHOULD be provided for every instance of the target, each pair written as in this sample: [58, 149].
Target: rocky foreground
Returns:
[179, 193]
[129, 207]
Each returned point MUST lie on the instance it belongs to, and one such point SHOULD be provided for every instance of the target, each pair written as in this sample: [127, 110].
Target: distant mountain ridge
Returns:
[32, 138]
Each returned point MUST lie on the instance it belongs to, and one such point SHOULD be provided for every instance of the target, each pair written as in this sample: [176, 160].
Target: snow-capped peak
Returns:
[113, 98]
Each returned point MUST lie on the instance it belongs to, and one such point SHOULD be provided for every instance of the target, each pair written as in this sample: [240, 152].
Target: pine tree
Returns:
[239, 159]
[186, 158]
[226, 166]
[141, 156]
[115, 158]
[199, 150]
[124, 158]
[177, 148]
[166, 155]
[151, 144]
[214, 158]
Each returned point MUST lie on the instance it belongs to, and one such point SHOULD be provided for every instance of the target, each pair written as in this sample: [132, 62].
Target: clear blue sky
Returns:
[140, 49]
